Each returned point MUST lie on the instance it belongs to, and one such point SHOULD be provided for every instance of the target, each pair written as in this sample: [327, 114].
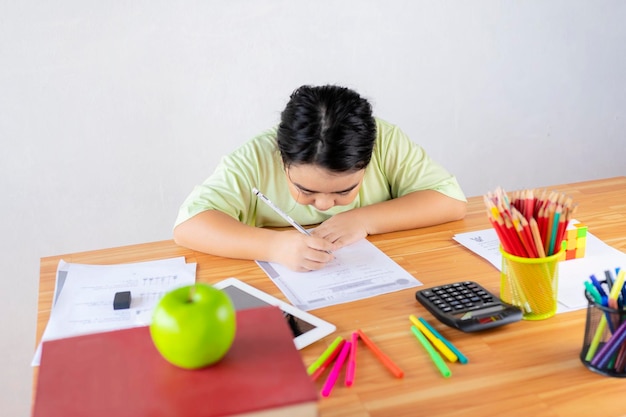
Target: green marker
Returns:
[434, 355]
[593, 292]
[319, 361]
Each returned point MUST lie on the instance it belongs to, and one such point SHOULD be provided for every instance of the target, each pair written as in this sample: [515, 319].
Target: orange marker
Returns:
[393, 368]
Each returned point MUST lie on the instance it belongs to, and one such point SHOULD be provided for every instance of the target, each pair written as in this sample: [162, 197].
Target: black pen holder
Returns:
[604, 344]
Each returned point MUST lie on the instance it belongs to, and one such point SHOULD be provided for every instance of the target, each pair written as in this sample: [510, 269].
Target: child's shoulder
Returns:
[389, 134]
[261, 147]
[267, 137]
[383, 125]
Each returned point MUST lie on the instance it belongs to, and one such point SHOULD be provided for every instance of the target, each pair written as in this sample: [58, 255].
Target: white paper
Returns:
[359, 271]
[484, 243]
[572, 273]
[84, 295]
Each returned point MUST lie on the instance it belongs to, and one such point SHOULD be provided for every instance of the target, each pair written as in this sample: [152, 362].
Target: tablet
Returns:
[306, 328]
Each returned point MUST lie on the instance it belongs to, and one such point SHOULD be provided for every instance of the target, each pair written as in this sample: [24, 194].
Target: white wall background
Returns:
[111, 111]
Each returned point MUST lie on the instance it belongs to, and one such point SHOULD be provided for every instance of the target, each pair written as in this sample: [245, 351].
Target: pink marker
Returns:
[352, 360]
[319, 371]
[334, 373]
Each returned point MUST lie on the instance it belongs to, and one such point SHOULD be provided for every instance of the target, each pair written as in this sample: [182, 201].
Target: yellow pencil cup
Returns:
[530, 284]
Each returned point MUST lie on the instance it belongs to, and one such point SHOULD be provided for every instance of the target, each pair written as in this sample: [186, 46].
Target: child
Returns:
[328, 163]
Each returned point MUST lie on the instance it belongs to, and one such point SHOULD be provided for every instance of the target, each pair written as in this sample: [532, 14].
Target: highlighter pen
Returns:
[384, 359]
[462, 358]
[351, 367]
[328, 352]
[623, 295]
[434, 355]
[280, 212]
[334, 373]
[597, 298]
[595, 342]
[605, 354]
[593, 292]
[445, 351]
[617, 286]
[319, 371]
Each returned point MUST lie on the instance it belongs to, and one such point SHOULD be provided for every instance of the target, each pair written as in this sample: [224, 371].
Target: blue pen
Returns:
[598, 286]
[605, 300]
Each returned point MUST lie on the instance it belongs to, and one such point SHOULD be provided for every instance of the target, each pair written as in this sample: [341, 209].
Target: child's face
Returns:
[322, 189]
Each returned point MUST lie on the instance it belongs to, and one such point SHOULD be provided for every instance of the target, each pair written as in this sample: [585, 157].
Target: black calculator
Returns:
[467, 306]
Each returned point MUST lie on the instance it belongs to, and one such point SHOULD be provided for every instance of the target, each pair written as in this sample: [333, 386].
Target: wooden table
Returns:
[524, 369]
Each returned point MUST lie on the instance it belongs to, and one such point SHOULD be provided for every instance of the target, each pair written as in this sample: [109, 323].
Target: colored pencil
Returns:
[530, 224]
[534, 228]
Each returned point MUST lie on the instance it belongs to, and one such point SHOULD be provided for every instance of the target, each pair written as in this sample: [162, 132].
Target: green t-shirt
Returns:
[398, 167]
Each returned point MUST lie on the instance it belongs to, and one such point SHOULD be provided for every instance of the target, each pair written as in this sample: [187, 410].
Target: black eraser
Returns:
[121, 300]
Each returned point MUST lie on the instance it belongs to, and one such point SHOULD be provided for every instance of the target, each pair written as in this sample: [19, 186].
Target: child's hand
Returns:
[342, 229]
[300, 252]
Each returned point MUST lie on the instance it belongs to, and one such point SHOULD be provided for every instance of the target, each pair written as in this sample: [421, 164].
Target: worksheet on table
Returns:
[83, 298]
[359, 271]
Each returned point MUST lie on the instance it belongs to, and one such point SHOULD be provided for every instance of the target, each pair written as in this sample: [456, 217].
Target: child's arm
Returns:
[219, 234]
[412, 211]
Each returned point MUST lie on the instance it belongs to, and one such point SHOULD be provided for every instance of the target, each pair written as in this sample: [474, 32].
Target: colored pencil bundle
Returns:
[530, 224]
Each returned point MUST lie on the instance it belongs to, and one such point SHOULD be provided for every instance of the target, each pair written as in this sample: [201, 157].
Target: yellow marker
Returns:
[434, 339]
[617, 286]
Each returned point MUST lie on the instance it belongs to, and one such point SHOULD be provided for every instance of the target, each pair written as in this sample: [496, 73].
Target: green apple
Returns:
[193, 326]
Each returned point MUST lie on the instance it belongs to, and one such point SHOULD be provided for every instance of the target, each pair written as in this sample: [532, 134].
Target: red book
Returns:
[120, 373]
